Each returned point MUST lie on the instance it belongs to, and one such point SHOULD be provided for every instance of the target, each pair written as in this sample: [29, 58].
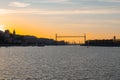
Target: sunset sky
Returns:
[44, 18]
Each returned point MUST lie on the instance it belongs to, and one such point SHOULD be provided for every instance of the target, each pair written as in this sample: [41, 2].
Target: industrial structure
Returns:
[83, 36]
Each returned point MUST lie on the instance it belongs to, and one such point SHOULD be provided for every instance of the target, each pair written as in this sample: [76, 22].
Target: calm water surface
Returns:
[60, 63]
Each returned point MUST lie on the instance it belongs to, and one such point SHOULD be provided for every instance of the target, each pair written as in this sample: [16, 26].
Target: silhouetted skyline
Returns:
[12, 39]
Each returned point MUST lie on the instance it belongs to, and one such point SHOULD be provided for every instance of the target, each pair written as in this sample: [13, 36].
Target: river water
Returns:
[60, 63]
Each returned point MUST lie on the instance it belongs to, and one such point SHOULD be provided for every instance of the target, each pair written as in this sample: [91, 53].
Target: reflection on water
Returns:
[59, 63]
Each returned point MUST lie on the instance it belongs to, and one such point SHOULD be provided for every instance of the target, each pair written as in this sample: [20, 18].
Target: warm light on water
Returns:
[60, 63]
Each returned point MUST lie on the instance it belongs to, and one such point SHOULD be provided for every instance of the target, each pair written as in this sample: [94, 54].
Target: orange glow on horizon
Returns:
[45, 33]
[43, 28]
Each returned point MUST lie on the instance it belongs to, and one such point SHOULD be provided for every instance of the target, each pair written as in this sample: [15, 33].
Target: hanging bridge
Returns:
[83, 36]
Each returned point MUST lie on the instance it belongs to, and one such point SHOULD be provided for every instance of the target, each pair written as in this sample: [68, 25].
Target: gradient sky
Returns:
[44, 18]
